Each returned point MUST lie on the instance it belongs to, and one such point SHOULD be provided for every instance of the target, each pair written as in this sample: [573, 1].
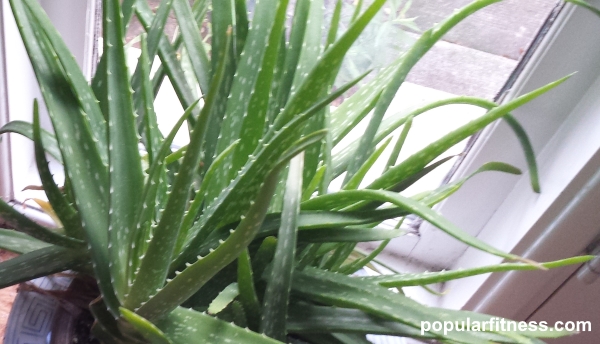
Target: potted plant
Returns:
[236, 237]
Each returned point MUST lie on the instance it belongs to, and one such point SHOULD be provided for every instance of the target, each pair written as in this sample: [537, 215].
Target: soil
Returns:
[7, 296]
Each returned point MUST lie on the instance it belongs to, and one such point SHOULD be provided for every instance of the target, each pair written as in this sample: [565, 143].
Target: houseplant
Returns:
[240, 223]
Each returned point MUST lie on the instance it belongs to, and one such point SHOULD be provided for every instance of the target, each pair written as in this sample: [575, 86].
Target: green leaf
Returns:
[73, 75]
[314, 183]
[192, 278]
[41, 262]
[168, 57]
[142, 92]
[347, 234]
[253, 122]
[14, 219]
[414, 279]
[586, 5]
[248, 297]
[528, 149]
[294, 49]
[185, 233]
[321, 76]
[146, 328]
[276, 297]
[26, 129]
[76, 141]
[420, 159]
[66, 213]
[125, 167]
[154, 267]
[412, 206]
[147, 207]
[184, 326]
[224, 298]
[18, 242]
[248, 101]
[358, 264]
[354, 182]
[234, 200]
[305, 318]
[343, 291]
[193, 43]
[446, 190]
[399, 144]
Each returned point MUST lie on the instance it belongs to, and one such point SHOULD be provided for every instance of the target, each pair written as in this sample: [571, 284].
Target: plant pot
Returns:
[52, 310]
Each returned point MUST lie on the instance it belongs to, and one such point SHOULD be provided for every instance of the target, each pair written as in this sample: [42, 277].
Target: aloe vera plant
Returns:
[238, 236]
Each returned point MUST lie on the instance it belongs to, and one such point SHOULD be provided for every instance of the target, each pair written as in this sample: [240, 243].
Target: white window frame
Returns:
[564, 127]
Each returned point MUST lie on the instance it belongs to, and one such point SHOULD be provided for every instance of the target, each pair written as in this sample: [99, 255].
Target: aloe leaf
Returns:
[413, 279]
[294, 49]
[241, 26]
[17, 242]
[347, 234]
[127, 8]
[305, 318]
[41, 262]
[192, 278]
[26, 129]
[586, 5]
[320, 319]
[414, 207]
[184, 326]
[168, 57]
[399, 144]
[338, 257]
[347, 205]
[147, 207]
[275, 103]
[528, 150]
[248, 297]
[276, 298]
[357, 10]
[234, 200]
[422, 46]
[193, 43]
[126, 176]
[335, 23]
[321, 76]
[90, 182]
[314, 183]
[224, 298]
[248, 101]
[309, 220]
[354, 181]
[366, 143]
[263, 256]
[420, 159]
[146, 328]
[445, 191]
[344, 291]
[150, 132]
[64, 211]
[253, 123]
[155, 31]
[14, 219]
[79, 85]
[358, 264]
[154, 267]
[194, 208]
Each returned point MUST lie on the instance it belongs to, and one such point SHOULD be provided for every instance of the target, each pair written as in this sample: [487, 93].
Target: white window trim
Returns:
[564, 126]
